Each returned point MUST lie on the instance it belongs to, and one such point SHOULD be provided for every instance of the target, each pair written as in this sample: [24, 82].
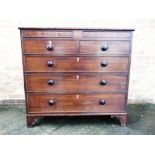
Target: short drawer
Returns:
[74, 83]
[106, 34]
[52, 47]
[47, 33]
[76, 64]
[107, 103]
[104, 47]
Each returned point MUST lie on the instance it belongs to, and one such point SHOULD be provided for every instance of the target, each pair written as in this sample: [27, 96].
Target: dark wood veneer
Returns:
[75, 83]
[53, 33]
[60, 47]
[76, 64]
[76, 71]
[95, 47]
[76, 103]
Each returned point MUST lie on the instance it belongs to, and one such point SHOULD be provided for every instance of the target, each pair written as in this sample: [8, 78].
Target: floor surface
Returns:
[141, 121]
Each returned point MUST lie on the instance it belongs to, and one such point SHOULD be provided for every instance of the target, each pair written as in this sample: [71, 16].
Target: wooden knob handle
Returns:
[102, 102]
[50, 82]
[104, 46]
[104, 63]
[51, 102]
[103, 82]
[50, 64]
[49, 46]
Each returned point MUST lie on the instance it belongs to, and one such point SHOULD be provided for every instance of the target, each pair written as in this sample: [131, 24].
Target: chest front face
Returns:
[76, 71]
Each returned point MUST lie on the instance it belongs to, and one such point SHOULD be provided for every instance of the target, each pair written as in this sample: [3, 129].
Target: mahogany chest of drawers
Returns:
[74, 71]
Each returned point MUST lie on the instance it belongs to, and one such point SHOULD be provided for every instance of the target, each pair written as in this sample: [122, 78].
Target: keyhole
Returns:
[77, 96]
[77, 77]
[78, 59]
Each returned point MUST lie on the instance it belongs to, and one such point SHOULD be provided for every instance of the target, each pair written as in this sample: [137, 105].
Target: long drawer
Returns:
[74, 83]
[50, 46]
[76, 64]
[76, 103]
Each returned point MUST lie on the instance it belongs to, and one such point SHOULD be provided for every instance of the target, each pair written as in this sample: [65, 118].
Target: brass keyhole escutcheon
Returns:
[77, 96]
[78, 59]
[77, 77]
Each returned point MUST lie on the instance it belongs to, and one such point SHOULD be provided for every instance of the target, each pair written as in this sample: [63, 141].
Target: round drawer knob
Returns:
[102, 102]
[104, 46]
[51, 102]
[50, 64]
[104, 63]
[49, 46]
[50, 82]
[103, 82]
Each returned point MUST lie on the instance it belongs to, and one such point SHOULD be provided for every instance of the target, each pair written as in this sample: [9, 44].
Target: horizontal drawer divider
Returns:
[75, 113]
[70, 73]
[79, 93]
[80, 55]
[78, 39]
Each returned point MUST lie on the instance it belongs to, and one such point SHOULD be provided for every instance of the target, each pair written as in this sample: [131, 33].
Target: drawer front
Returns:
[56, 47]
[76, 64]
[76, 103]
[74, 83]
[49, 33]
[104, 47]
[107, 34]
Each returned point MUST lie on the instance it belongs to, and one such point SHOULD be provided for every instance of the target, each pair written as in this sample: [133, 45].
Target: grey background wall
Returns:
[142, 80]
